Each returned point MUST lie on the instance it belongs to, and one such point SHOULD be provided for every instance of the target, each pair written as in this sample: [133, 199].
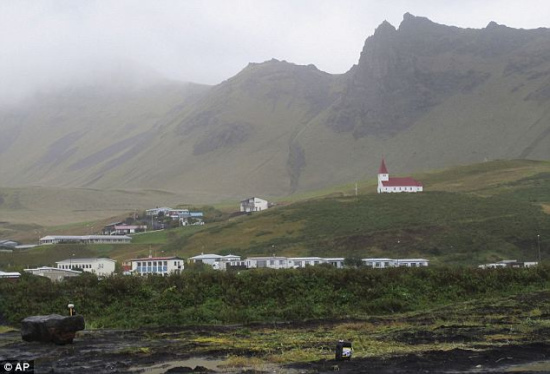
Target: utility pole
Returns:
[355, 189]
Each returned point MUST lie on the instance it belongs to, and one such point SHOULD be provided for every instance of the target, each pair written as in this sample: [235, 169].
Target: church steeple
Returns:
[383, 175]
[383, 169]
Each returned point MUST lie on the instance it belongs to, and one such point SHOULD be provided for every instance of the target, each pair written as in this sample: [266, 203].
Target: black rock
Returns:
[53, 328]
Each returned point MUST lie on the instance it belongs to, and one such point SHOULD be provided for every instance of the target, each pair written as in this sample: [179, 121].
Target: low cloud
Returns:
[52, 44]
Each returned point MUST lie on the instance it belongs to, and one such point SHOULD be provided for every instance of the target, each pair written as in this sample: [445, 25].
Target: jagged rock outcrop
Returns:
[402, 74]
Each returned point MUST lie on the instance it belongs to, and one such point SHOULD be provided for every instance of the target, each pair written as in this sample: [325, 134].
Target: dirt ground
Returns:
[168, 351]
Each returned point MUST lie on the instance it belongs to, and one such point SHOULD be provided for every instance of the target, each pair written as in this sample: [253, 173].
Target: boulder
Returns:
[53, 328]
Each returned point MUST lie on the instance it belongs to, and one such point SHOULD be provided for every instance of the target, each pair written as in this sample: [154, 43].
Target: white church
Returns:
[391, 185]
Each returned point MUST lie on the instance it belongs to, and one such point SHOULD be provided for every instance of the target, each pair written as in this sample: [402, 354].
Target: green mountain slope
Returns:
[424, 95]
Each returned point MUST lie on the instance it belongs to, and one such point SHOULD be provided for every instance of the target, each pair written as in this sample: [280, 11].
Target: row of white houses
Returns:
[509, 264]
[85, 239]
[168, 265]
[220, 262]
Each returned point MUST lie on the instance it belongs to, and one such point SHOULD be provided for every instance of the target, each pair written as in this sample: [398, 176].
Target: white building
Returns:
[509, 264]
[9, 274]
[302, 262]
[192, 219]
[156, 265]
[128, 229]
[98, 266]
[218, 262]
[155, 211]
[337, 262]
[267, 262]
[391, 185]
[54, 274]
[380, 263]
[85, 239]
[254, 204]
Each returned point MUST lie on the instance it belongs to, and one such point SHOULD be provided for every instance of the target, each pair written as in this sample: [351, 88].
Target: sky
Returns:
[51, 44]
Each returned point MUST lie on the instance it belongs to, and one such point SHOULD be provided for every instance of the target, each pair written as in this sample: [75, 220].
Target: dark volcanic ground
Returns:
[142, 351]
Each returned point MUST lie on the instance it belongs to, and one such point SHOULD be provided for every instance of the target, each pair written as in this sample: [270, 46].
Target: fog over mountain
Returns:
[51, 44]
[422, 94]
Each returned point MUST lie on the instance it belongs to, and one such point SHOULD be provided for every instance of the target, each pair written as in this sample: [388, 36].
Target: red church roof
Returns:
[383, 169]
[401, 182]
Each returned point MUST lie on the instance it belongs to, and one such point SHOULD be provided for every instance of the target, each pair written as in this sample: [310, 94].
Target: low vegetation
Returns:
[212, 297]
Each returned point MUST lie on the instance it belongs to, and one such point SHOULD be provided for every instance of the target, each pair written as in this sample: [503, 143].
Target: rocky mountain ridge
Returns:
[424, 95]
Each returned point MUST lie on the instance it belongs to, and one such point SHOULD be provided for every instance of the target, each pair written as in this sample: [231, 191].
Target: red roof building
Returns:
[391, 185]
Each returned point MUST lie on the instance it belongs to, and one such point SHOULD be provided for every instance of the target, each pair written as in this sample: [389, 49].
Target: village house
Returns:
[156, 211]
[273, 262]
[8, 244]
[9, 275]
[192, 218]
[110, 228]
[253, 204]
[98, 266]
[156, 265]
[128, 229]
[396, 185]
[53, 274]
[85, 239]
[509, 264]
[380, 263]
[337, 262]
[217, 262]
[302, 262]
[120, 228]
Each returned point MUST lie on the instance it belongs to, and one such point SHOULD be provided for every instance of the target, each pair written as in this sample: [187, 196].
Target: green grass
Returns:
[444, 227]
[158, 237]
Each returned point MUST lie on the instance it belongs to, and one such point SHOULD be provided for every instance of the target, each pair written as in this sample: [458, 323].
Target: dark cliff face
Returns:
[401, 74]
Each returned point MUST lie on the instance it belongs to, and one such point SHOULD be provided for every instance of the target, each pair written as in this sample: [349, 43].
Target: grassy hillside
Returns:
[445, 227]
[467, 215]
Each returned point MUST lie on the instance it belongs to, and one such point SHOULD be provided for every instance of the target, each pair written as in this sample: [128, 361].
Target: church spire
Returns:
[383, 169]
